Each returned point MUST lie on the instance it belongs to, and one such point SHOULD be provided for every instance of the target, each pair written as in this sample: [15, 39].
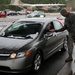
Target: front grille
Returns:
[4, 56]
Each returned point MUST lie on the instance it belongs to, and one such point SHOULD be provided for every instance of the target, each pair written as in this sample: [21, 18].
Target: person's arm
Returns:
[62, 29]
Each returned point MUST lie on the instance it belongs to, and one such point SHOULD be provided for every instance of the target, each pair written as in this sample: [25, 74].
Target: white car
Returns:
[22, 12]
[36, 14]
[12, 13]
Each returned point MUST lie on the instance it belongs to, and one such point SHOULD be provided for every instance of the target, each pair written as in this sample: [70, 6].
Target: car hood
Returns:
[14, 44]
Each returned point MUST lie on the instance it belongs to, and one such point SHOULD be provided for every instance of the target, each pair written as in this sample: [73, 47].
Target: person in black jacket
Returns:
[69, 25]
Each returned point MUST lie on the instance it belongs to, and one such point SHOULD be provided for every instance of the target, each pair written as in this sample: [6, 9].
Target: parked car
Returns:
[22, 12]
[2, 15]
[12, 13]
[24, 45]
[61, 19]
[36, 14]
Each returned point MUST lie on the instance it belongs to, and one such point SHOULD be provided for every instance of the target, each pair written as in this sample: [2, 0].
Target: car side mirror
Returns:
[48, 34]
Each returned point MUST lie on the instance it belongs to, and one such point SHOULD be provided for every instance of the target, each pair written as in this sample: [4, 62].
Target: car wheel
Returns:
[37, 62]
[65, 47]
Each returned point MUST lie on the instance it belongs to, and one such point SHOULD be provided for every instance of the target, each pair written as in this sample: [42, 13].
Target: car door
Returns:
[50, 43]
[59, 35]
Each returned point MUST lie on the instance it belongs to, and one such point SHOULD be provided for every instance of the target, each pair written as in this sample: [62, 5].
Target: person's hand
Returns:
[52, 30]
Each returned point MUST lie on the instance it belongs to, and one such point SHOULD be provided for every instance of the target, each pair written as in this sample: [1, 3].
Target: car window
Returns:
[48, 28]
[57, 25]
[23, 29]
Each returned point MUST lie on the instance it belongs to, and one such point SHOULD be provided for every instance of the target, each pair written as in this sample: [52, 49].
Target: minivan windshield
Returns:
[23, 29]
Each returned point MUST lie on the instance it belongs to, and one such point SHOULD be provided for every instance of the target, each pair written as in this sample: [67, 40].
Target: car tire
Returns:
[65, 47]
[37, 62]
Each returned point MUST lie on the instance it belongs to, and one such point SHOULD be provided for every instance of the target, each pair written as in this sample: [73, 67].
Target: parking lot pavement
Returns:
[9, 19]
[69, 67]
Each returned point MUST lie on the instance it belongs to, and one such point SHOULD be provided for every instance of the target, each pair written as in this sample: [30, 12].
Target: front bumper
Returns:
[15, 65]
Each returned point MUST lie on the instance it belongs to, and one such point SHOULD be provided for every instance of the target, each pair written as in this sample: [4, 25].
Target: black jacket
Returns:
[69, 24]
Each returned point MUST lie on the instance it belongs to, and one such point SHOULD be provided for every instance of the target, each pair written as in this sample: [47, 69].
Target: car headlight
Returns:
[13, 55]
[20, 54]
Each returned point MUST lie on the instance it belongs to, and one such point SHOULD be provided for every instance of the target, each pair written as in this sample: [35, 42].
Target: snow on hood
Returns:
[15, 44]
